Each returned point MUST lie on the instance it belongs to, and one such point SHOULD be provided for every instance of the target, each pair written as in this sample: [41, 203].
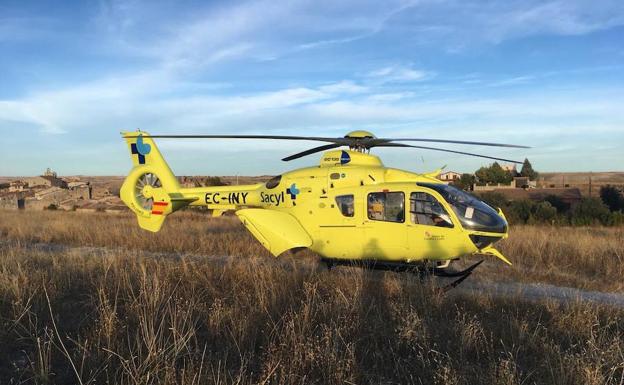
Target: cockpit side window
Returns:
[346, 205]
[426, 210]
[386, 206]
[473, 214]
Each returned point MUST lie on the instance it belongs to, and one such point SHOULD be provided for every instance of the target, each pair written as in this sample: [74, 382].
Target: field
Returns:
[588, 182]
[92, 299]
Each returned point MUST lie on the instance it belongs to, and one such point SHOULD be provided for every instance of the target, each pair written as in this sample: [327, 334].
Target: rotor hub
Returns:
[148, 191]
[359, 140]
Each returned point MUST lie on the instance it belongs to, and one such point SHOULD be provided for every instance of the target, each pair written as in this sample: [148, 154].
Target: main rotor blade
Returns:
[342, 141]
[345, 141]
[311, 151]
[445, 150]
[386, 140]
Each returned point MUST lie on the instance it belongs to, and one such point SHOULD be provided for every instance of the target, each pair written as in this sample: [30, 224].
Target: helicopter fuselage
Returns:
[355, 209]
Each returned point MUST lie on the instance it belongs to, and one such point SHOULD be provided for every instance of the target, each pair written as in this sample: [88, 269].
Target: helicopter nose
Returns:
[482, 241]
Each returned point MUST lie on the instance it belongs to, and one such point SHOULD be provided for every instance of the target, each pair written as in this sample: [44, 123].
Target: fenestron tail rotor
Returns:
[356, 140]
[142, 187]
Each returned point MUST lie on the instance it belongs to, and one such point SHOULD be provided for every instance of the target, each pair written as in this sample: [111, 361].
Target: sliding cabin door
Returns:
[384, 226]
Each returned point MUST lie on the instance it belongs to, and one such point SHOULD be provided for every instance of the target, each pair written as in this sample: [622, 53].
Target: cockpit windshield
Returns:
[473, 213]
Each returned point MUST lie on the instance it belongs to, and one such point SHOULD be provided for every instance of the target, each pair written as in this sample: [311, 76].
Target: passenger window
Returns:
[386, 206]
[273, 182]
[426, 210]
[346, 205]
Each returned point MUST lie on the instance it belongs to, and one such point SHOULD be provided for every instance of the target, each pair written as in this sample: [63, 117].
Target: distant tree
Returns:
[612, 197]
[465, 181]
[527, 170]
[493, 174]
[557, 203]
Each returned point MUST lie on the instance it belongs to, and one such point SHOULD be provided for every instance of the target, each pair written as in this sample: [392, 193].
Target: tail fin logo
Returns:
[140, 149]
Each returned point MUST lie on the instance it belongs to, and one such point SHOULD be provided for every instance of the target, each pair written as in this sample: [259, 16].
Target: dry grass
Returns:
[117, 315]
[183, 232]
[584, 257]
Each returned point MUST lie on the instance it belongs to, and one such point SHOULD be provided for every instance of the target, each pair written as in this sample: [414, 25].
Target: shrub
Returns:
[215, 181]
[544, 212]
[494, 199]
[612, 197]
[614, 219]
[520, 211]
[588, 212]
[557, 203]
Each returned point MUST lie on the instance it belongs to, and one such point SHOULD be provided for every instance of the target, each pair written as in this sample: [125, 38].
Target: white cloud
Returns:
[457, 25]
[516, 80]
[390, 97]
[100, 110]
[344, 87]
[395, 74]
[150, 97]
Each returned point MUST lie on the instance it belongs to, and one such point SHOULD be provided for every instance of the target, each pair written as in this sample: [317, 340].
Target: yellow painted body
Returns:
[300, 209]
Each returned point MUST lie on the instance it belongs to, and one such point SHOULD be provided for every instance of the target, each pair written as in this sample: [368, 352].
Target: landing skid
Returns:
[461, 274]
[421, 269]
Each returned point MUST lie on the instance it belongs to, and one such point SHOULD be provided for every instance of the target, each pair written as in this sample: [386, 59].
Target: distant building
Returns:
[449, 176]
[523, 182]
[17, 185]
[519, 182]
[12, 200]
[48, 179]
[80, 190]
[49, 172]
[189, 182]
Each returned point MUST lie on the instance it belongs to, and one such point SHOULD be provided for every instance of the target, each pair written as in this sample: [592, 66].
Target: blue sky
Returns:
[548, 74]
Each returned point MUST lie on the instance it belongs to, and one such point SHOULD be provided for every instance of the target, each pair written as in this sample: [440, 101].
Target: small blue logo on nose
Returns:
[345, 158]
[293, 191]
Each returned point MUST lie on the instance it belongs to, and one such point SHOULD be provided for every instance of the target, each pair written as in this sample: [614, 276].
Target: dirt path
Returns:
[472, 286]
[541, 291]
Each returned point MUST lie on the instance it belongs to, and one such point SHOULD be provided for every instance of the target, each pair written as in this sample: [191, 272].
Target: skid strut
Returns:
[461, 274]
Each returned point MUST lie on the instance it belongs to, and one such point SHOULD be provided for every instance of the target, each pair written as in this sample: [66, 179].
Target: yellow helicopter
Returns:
[348, 209]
